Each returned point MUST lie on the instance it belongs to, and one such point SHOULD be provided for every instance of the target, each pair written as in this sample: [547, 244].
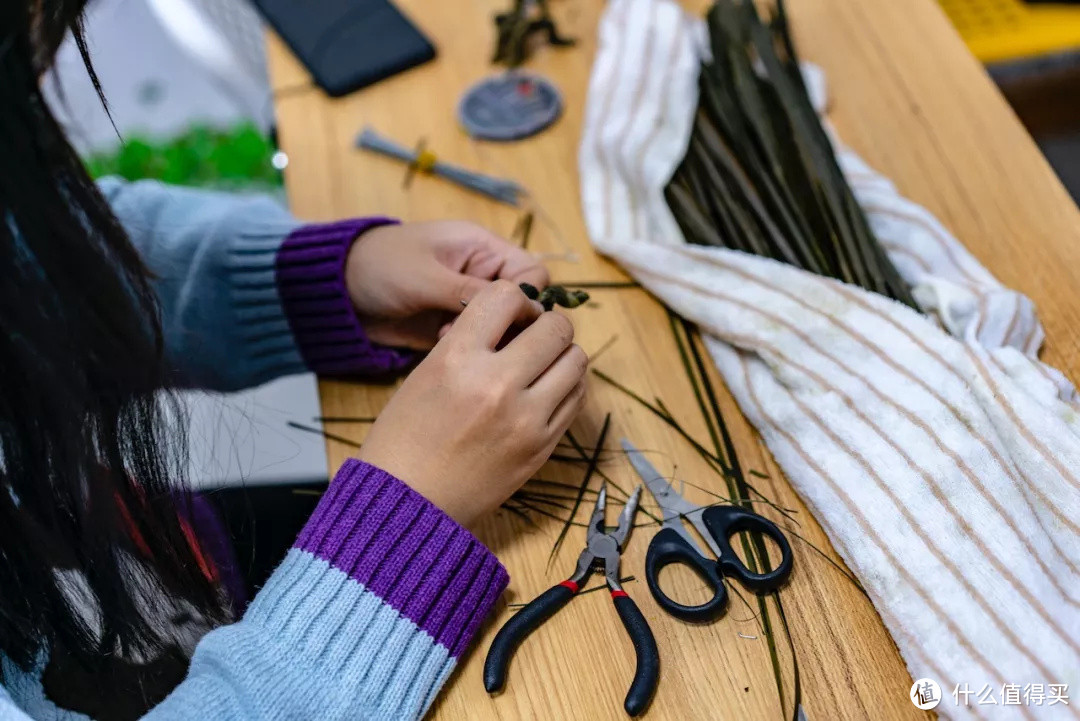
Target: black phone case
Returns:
[347, 44]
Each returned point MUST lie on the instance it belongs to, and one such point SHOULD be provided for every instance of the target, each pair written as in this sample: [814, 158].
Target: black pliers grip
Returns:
[543, 607]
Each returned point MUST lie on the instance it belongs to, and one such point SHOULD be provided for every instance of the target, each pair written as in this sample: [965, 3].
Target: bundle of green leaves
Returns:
[760, 174]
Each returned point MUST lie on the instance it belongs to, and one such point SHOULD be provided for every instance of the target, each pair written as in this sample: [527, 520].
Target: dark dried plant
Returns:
[760, 174]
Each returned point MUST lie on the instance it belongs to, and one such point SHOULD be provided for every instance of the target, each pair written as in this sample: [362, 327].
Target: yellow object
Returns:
[425, 161]
[1002, 30]
[998, 30]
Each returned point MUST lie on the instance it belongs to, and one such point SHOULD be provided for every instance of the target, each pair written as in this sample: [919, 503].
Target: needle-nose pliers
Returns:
[602, 549]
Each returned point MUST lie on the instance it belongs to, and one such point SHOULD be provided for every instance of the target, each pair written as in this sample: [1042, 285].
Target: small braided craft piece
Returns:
[555, 295]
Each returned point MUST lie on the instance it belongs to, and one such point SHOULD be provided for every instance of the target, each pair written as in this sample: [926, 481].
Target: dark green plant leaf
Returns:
[760, 174]
[593, 461]
[321, 432]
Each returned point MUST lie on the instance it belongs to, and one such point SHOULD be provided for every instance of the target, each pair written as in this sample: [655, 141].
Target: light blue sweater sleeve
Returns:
[366, 618]
[213, 259]
[248, 293]
[9, 710]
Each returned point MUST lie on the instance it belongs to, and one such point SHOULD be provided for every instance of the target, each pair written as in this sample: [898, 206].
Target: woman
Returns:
[110, 295]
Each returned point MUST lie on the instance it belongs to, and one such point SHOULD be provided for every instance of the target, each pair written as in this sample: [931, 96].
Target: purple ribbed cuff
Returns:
[406, 550]
[310, 274]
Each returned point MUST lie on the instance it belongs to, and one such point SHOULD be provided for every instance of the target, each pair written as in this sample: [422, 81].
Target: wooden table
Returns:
[907, 96]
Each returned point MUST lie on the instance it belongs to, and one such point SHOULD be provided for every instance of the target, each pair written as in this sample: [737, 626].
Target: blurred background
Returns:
[187, 84]
[187, 89]
[1032, 51]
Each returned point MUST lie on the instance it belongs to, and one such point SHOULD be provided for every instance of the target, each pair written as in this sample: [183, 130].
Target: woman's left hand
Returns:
[407, 281]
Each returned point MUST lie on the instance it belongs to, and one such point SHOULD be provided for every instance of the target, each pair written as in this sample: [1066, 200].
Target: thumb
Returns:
[447, 288]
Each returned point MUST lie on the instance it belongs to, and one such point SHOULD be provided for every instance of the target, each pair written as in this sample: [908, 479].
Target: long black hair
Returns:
[88, 457]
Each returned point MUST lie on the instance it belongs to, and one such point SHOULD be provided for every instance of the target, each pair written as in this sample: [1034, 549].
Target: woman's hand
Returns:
[476, 418]
[407, 281]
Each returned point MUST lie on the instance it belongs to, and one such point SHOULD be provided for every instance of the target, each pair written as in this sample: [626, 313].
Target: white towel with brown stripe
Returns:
[940, 455]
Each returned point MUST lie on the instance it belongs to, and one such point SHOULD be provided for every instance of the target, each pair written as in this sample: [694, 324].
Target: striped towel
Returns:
[939, 454]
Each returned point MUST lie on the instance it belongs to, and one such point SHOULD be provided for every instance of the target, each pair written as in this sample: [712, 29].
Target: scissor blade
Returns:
[670, 501]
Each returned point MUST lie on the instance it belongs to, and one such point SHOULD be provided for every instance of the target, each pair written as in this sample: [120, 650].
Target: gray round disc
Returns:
[510, 106]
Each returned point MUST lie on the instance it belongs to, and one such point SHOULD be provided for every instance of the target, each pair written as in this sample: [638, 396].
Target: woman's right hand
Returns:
[475, 419]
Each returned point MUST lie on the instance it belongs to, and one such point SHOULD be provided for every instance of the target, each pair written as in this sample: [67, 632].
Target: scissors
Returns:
[716, 524]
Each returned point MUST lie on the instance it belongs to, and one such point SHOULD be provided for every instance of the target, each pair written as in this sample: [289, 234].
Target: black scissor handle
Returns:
[724, 522]
[647, 671]
[669, 547]
[520, 625]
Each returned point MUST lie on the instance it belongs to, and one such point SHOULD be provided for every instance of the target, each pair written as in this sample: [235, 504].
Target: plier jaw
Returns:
[603, 549]
[626, 518]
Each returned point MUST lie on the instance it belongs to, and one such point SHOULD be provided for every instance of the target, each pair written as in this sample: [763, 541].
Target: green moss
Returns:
[202, 156]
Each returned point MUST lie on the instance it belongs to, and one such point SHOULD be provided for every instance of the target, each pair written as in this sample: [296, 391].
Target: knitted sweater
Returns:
[381, 593]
